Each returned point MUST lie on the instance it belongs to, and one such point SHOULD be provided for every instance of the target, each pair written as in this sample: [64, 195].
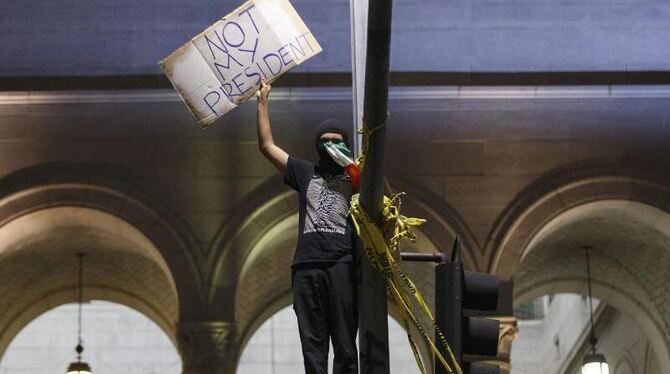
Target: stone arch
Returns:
[257, 249]
[272, 205]
[264, 286]
[630, 256]
[271, 202]
[121, 265]
[266, 289]
[558, 192]
[267, 206]
[83, 185]
[49, 212]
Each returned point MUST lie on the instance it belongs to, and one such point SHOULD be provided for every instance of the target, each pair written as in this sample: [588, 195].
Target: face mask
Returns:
[322, 144]
[327, 164]
[343, 157]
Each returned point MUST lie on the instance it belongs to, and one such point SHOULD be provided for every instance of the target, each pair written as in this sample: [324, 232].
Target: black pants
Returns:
[324, 300]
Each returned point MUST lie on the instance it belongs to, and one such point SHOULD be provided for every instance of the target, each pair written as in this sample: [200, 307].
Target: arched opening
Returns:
[38, 258]
[630, 258]
[265, 290]
[275, 347]
[553, 331]
[259, 245]
[116, 339]
[265, 282]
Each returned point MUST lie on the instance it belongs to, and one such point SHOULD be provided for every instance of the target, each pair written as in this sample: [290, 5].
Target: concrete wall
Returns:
[129, 37]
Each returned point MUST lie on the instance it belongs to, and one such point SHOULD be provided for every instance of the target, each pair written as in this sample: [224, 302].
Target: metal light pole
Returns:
[373, 324]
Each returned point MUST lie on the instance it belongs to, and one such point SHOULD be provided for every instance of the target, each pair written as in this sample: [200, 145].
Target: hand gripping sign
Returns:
[223, 66]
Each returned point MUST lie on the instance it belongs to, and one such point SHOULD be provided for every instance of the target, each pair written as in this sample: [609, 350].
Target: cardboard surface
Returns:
[223, 66]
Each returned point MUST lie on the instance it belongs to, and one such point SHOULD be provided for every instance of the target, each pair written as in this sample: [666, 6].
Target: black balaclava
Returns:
[326, 163]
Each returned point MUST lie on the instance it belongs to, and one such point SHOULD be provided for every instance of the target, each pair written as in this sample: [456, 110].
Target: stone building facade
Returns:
[195, 230]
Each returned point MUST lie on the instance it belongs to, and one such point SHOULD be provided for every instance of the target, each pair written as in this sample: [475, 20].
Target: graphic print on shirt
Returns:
[327, 204]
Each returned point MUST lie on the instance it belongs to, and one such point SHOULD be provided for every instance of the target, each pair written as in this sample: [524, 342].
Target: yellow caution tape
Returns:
[384, 256]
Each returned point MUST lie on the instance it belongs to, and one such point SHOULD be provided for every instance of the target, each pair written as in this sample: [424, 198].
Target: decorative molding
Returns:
[344, 94]
[344, 79]
[508, 332]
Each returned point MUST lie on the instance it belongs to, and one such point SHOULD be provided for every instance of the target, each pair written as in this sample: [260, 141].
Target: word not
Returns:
[237, 53]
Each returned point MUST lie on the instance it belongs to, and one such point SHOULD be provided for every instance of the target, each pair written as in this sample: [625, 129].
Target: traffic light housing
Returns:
[459, 293]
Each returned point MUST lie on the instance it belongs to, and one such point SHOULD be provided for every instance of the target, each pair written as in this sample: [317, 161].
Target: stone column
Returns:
[206, 347]
[508, 332]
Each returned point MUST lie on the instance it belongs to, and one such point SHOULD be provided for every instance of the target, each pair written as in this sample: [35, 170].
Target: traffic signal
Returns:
[457, 290]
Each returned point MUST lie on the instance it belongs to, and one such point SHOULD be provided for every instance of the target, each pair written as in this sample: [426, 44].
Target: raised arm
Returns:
[266, 144]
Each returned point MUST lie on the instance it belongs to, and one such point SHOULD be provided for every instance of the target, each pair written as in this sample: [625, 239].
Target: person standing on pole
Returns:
[323, 270]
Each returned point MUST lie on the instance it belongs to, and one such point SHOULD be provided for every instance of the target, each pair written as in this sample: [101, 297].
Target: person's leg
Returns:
[343, 317]
[310, 296]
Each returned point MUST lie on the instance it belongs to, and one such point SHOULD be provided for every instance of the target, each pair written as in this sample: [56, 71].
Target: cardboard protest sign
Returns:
[223, 66]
